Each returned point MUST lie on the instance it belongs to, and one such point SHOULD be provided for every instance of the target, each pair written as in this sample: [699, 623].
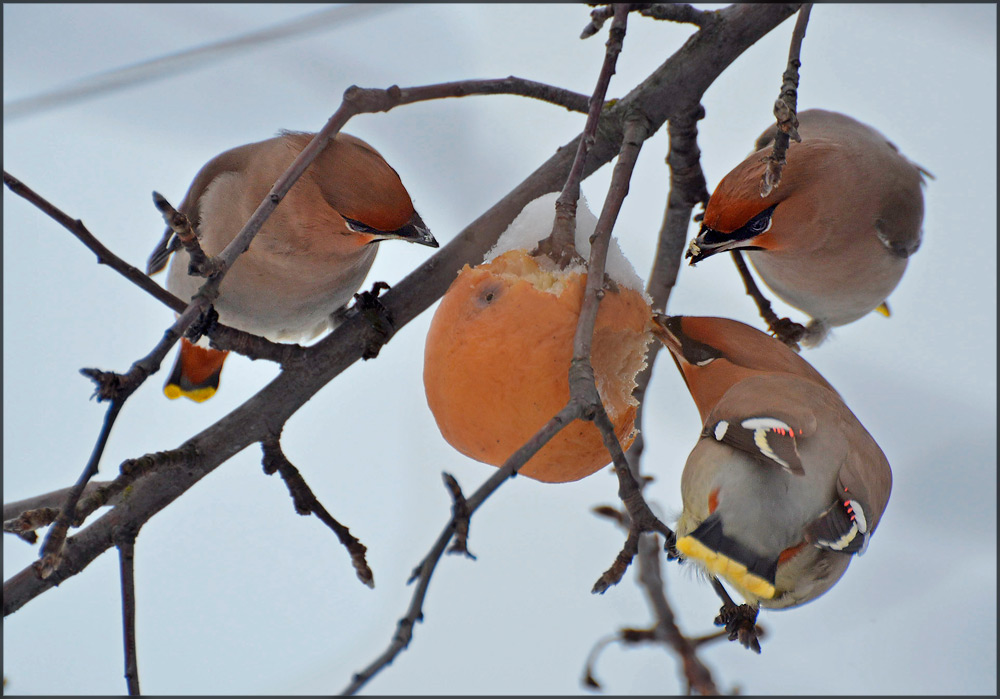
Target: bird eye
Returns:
[760, 224]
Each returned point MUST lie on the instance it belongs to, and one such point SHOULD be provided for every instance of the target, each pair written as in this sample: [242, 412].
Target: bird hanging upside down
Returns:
[784, 486]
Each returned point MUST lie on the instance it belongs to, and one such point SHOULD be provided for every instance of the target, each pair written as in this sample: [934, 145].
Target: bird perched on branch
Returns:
[308, 259]
[784, 485]
[834, 237]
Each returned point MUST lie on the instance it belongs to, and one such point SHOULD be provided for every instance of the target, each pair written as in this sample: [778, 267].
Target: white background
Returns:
[237, 594]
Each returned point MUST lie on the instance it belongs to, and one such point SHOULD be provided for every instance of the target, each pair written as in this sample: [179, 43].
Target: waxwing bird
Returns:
[308, 259]
[784, 485]
[834, 237]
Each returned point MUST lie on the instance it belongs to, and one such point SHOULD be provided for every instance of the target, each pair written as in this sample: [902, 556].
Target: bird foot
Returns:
[203, 325]
[740, 622]
[378, 316]
[788, 331]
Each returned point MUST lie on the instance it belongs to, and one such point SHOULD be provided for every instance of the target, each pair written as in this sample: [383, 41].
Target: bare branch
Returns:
[126, 561]
[589, 678]
[613, 575]
[678, 12]
[560, 245]
[180, 226]
[785, 106]
[52, 548]
[687, 189]
[785, 329]
[110, 492]
[460, 516]
[641, 518]
[306, 503]
[699, 677]
[25, 525]
[665, 630]
[511, 85]
[12, 510]
[422, 573]
[104, 256]
[672, 12]
[404, 629]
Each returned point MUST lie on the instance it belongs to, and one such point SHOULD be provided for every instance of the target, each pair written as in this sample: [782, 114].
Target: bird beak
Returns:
[662, 331]
[709, 242]
[415, 231]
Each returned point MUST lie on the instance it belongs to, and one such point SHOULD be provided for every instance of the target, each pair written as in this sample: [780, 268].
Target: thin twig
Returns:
[698, 676]
[678, 12]
[179, 225]
[51, 553]
[307, 503]
[223, 337]
[785, 329]
[785, 106]
[581, 374]
[672, 12]
[460, 516]
[422, 573]
[664, 631]
[641, 517]
[116, 388]
[104, 256]
[27, 522]
[56, 498]
[126, 560]
[560, 244]
[687, 188]
[589, 678]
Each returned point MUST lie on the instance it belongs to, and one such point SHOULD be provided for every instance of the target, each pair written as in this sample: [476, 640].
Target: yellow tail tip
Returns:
[198, 395]
[883, 309]
[723, 566]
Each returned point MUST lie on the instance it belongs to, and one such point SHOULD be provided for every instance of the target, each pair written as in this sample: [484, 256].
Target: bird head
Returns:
[737, 217]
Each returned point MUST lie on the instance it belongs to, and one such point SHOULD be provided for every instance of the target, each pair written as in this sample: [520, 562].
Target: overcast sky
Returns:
[237, 594]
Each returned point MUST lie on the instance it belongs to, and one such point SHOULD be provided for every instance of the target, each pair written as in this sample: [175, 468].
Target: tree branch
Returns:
[785, 329]
[785, 106]
[422, 573]
[307, 503]
[126, 561]
[698, 676]
[12, 510]
[672, 12]
[560, 245]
